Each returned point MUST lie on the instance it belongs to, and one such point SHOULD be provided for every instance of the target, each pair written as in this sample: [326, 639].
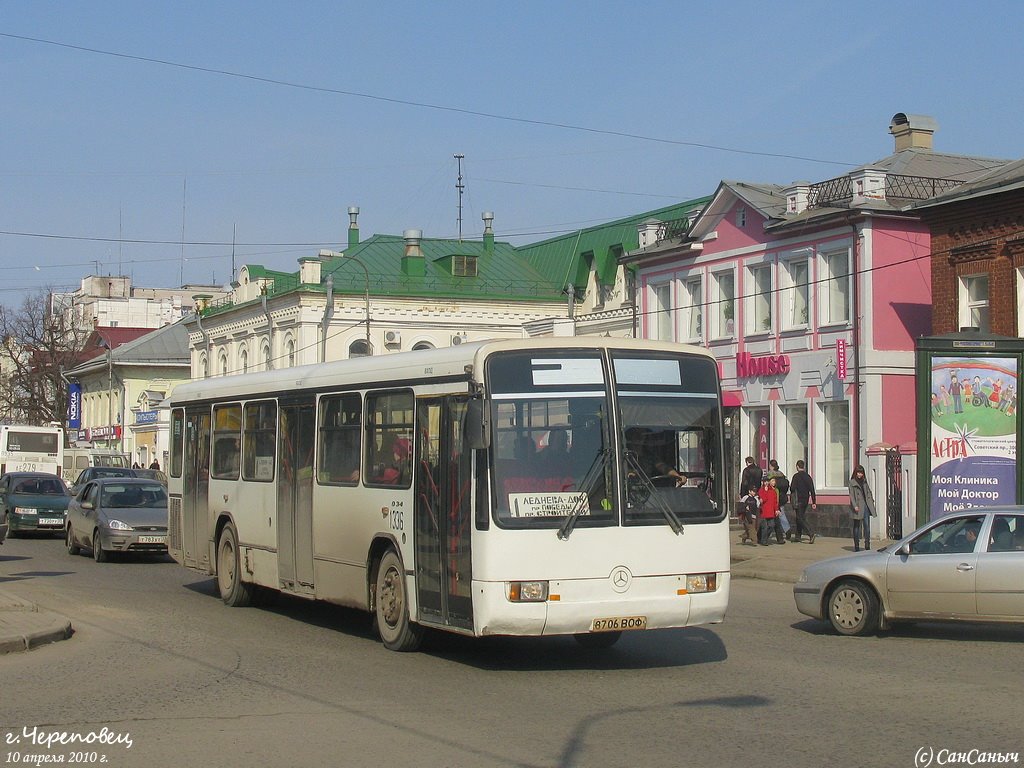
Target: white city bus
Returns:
[528, 487]
[31, 449]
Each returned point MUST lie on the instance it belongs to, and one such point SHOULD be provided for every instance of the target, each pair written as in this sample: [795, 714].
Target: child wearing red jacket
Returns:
[769, 509]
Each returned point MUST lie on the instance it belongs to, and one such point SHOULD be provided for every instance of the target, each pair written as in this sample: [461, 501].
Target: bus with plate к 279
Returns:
[31, 449]
[516, 487]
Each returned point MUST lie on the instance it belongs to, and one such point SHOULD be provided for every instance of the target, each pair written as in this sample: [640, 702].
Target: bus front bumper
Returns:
[586, 605]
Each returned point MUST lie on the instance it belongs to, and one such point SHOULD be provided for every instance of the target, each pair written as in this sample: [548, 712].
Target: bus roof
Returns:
[422, 366]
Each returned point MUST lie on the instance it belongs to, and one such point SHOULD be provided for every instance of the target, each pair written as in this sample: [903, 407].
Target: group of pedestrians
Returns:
[764, 495]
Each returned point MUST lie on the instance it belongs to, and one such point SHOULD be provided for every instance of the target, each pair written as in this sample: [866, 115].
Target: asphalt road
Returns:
[158, 660]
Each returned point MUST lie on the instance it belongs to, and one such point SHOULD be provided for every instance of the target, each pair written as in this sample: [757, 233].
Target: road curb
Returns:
[24, 627]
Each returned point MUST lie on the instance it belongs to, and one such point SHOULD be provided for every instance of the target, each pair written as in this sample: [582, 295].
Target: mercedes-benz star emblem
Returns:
[621, 578]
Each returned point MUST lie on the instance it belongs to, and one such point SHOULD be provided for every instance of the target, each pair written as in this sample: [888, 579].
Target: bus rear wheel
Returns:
[233, 591]
[391, 606]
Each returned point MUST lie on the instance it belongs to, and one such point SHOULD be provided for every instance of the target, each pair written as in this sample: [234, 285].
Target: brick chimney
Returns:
[912, 131]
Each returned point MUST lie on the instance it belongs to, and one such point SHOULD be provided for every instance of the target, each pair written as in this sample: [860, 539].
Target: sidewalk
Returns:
[784, 562]
[24, 626]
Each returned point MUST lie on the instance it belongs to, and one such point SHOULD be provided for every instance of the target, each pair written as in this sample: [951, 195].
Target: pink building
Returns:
[811, 296]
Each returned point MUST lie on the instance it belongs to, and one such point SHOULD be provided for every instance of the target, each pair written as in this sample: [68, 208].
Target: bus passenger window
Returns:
[339, 433]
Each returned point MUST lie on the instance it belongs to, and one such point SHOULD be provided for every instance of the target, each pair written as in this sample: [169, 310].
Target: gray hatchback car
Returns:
[964, 566]
[118, 514]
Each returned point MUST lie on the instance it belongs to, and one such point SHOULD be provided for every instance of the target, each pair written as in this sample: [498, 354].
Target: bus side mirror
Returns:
[478, 427]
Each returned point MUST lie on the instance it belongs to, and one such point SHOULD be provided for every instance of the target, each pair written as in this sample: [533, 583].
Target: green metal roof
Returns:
[558, 258]
[502, 272]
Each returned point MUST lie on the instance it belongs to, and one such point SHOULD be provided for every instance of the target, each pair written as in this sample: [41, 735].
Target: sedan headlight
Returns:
[25, 511]
[117, 525]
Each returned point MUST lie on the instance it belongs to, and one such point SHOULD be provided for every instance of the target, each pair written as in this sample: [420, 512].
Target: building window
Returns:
[836, 285]
[794, 437]
[760, 298]
[204, 368]
[359, 348]
[693, 319]
[464, 266]
[661, 312]
[796, 297]
[289, 350]
[422, 345]
[267, 362]
[245, 361]
[223, 362]
[836, 442]
[741, 217]
[724, 300]
[974, 302]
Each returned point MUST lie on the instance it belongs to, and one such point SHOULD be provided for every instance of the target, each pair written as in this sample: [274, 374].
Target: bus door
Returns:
[295, 496]
[443, 513]
[195, 512]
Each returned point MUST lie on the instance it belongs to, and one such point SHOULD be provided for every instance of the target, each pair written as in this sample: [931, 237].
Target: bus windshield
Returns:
[671, 429]
[553, 455]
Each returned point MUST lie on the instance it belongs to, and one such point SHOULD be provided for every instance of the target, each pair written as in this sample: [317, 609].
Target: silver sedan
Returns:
[118, 514]
[964, 566]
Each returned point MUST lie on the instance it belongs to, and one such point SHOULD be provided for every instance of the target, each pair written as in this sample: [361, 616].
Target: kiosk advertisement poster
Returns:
[974, 426]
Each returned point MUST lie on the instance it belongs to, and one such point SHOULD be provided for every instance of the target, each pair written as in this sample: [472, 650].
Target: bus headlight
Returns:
[526, 591]
[701, 582]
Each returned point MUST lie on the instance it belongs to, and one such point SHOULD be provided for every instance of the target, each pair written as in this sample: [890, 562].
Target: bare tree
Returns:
[36, 346]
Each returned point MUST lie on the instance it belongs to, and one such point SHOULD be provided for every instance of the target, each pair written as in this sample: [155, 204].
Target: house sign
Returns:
[748, 366]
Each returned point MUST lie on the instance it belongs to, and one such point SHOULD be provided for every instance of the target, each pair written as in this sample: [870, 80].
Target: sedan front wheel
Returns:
[853, 608]
[73, 548]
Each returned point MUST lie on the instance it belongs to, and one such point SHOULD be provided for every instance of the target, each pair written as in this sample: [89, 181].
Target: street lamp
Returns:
[334, 254]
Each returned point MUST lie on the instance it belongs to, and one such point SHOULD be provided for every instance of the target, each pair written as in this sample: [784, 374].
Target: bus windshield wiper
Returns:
[632, 465]
[583, 503]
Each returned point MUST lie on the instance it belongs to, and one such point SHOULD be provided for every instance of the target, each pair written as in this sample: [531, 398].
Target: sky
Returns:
[171, 141]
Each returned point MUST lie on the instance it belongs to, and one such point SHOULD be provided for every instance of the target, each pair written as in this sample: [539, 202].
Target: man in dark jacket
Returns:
[751, 477]
[801, 488]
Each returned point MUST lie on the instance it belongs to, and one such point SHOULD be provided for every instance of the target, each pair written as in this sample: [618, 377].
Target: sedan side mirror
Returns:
[88, 505]
[905, 549]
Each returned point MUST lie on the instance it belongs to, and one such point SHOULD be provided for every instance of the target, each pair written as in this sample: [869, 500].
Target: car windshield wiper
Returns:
[583, 503]
[633, 466]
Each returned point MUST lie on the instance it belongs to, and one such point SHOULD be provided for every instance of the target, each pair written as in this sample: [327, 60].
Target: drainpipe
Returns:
[328, 314]
[270, 331]
[855, 421]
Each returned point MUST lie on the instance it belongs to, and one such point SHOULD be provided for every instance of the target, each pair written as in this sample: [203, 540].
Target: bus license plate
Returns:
[618, 623]
[51, 521]
[152, 539]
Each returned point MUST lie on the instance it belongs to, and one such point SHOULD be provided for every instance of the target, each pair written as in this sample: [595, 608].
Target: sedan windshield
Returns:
[132, 496]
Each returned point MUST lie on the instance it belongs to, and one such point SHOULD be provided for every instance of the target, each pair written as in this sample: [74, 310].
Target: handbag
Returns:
[783, 521]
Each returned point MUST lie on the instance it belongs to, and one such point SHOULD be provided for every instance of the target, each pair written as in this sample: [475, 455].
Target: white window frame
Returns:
[831, 287]
[1020, 302]
[975, 312]
[835, 462]
[759, 299]
[692, 314]
[791, 439]
[723, 307]
[659, 317]
[795, 309]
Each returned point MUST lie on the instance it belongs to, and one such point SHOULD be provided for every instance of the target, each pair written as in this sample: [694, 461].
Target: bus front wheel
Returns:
[233, 591]
[391, 606]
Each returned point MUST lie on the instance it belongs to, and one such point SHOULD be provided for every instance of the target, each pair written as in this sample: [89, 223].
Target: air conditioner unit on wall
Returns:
[392, 337]
[458, 338]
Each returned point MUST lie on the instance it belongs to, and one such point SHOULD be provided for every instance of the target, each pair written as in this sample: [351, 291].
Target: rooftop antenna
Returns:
[120, 240]
[233, 251]
[460, 186]
[181, 264]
